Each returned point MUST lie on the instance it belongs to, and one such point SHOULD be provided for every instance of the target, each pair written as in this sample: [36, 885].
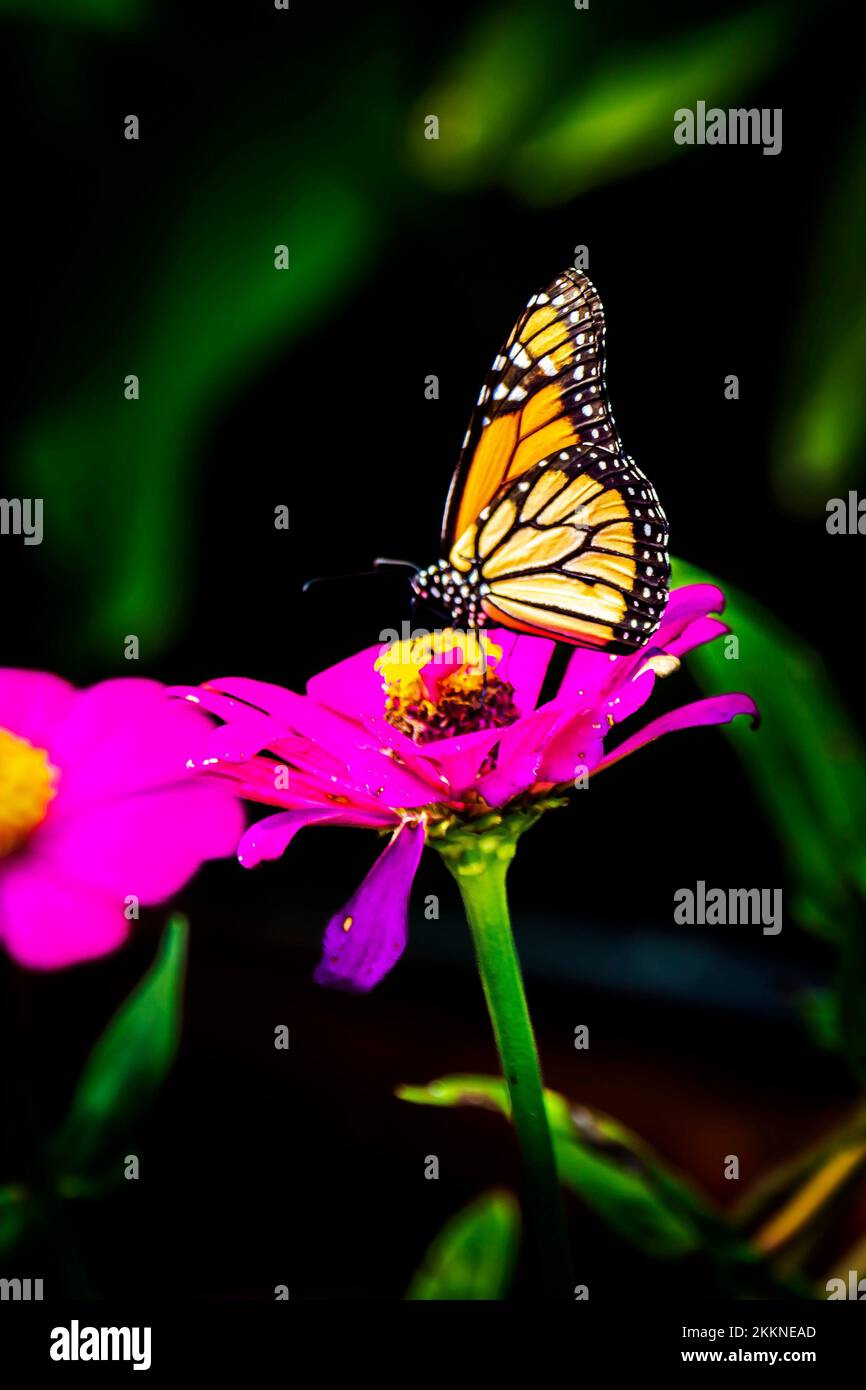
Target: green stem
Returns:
[479, 863]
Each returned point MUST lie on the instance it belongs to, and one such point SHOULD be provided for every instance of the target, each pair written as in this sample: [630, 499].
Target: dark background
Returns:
[263, 1167]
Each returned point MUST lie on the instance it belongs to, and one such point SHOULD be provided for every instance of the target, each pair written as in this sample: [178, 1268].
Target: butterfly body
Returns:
[550, 528]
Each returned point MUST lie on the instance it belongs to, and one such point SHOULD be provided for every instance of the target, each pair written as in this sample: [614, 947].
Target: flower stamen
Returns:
[27, 787]
[441, 684]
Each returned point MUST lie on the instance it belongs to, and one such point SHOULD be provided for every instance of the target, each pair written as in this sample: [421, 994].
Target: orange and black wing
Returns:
[575, 549]
[544, 393]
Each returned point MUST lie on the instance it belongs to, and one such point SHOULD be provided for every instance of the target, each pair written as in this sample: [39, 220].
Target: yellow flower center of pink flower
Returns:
[441, 684]
[27, 787]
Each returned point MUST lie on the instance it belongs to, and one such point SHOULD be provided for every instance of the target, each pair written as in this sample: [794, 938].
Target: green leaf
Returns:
[807, 762]
[474, 1255]
[626, 1183]
[210, 311]
[597, 1160]
[15, 1215]
[125, 1070]
[621, 116]
[821, 431]
[819, 1011]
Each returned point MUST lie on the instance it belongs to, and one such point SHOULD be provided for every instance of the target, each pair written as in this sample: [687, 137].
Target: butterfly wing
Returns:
[574, 548]
[544, 393]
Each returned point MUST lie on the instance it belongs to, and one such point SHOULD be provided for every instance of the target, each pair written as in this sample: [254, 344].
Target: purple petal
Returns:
[368, 936]
[719, 709]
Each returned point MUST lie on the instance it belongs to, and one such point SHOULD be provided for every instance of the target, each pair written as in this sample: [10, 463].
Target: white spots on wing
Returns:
[548, 366]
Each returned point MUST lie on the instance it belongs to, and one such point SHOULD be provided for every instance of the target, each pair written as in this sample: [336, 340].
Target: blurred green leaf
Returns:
[621, 116]
[15, 1212]
[503, 72]
[819, 1010]
[126, 1068]
[820, 439]
[474, 1255]
[598, 1160]
[89, 14]
[212, 313]
[807, 762]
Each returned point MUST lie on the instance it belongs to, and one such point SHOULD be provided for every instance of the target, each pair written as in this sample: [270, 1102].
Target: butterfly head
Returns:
[458, 595]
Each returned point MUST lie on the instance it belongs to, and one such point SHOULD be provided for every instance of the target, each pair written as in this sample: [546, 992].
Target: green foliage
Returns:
[807, 762]
[87, 14]
[808, 768]
[620, 117]
[622, 1179]
[205, 322]
[126, 1068]
[474, 1255]
[15, 1214]
[546, 102]
[821, 427]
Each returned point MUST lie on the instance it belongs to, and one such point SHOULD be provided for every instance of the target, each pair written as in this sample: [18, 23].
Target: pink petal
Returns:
[684, 606]
[146, 845]
[48, 921]
[718, 709]
[696, 634]
[523, 664]
[269, 838]
[612, 685]
[578, 744]
[372, 771]
[123, 736]
[519, 760]
[33, 703]
[353, 687]
[366, 938]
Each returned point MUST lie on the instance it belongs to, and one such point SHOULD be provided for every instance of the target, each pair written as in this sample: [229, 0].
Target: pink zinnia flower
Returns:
[97, 807]
[430, 737]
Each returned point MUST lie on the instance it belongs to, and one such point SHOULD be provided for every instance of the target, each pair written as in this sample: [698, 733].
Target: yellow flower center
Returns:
[27, 786]
[441, 684]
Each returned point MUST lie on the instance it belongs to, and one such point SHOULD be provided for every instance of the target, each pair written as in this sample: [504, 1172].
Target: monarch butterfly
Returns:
[549, 527]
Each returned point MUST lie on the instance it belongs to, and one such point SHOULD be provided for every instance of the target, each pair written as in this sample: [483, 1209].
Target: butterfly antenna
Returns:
[334, 579]
[382, 560]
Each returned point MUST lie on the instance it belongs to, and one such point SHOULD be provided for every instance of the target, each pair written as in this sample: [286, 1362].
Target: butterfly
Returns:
[549, 527]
